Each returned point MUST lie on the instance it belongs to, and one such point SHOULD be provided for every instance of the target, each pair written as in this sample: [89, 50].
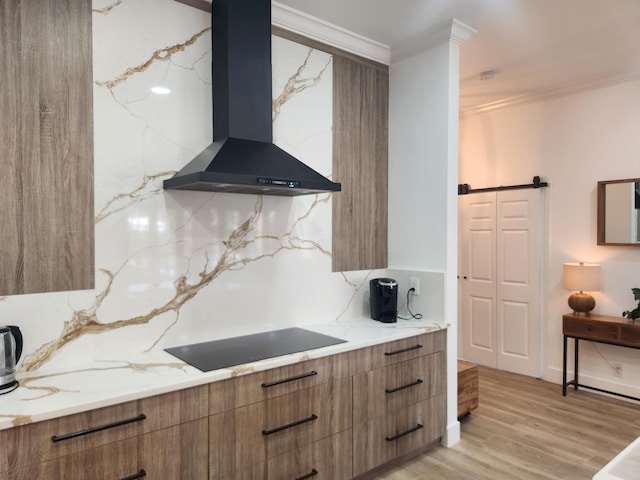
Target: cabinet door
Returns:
[399, 433]
[360, 163]
[46, 147]
[249, 435]
[387, 389]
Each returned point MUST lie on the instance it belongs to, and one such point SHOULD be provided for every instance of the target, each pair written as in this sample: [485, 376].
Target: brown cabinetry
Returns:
[360, 163]
[399, 399]
[331, 418]
[166, 433]
[46, 146]
[293, 408]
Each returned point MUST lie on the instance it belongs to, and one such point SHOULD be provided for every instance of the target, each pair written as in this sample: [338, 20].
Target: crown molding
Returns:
[553, 92]
[316, 29]
[454, 31]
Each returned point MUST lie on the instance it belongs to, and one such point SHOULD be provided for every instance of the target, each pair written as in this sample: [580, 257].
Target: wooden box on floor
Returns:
[467, 388]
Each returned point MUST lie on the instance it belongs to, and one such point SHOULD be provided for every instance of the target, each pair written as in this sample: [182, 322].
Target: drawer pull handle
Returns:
[140, 474]
[292, 379]
[416, 347]
[312, 473]
[411, 430]
[408, 385]
[69, 436]
[294, 424]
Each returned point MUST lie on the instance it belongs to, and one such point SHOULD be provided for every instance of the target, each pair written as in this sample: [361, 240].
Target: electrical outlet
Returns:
[617, 370]
[415, 284]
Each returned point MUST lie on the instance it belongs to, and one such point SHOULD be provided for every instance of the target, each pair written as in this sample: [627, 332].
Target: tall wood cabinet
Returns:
[46, 146]
[360, 162]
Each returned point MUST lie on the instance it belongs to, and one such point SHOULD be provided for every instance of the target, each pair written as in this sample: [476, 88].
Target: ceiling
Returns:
[539, 48]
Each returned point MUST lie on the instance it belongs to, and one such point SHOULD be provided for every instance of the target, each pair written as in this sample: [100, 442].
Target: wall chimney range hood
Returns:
[243, 158]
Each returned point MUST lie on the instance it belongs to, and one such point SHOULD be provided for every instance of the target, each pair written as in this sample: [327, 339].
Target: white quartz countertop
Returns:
[625, 465]
[43, 395]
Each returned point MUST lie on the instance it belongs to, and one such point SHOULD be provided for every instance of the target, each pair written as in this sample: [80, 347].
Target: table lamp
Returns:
[581, 276]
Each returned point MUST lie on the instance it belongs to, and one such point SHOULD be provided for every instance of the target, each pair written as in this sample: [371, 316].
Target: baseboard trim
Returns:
[452, 435]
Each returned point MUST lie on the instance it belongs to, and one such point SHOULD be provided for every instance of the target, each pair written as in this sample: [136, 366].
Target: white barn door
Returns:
[500, 263]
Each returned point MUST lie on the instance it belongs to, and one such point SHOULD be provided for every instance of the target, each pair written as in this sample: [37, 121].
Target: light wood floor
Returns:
[525, 429]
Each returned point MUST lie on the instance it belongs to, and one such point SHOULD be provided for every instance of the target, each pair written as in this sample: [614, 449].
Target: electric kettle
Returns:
[10, 351]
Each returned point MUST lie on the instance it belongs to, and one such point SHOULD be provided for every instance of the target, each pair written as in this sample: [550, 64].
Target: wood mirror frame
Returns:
[603, 208]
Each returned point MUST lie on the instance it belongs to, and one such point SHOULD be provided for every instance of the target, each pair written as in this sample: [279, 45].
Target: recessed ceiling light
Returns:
[161, 90]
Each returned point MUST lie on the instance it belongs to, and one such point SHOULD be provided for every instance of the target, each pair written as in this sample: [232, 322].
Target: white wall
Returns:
[423, 152]
[571, 142]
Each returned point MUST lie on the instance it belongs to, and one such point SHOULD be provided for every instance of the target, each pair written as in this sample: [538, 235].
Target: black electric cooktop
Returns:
[228, 352]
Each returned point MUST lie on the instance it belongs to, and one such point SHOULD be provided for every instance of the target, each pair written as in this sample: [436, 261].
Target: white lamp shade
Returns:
[581, 276]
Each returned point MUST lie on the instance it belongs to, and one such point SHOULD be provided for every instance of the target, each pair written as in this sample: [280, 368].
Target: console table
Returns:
[600, 329]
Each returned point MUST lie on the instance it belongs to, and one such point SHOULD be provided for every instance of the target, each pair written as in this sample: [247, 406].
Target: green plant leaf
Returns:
[636, 293]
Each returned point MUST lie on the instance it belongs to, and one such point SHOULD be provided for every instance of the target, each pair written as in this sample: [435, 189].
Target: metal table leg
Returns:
[564, 367]
[575, 365]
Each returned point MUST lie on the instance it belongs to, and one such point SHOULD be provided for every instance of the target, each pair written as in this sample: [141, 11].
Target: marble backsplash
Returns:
[176, 267]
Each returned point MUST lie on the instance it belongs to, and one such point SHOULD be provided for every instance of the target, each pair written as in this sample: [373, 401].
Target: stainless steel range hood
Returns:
[243, 158]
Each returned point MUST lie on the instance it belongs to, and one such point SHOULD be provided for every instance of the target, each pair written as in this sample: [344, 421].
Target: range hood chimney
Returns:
[243, 158]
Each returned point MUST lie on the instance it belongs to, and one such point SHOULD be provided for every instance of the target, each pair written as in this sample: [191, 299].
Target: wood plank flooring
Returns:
[525, 429]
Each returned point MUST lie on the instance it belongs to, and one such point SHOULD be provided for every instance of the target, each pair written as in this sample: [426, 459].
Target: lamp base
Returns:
[581, 303]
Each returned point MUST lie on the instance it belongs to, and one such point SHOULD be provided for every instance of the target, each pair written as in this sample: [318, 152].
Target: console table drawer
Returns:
[590, 329]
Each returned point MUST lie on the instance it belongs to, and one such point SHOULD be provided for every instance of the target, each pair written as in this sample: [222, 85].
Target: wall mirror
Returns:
[619, 212]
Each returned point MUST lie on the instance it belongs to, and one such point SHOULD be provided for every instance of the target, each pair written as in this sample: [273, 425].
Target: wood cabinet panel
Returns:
[390, 353]
[391, 388]
[389, 436]
[174, 453]
[360, 163]
[33, 442]
[247, 389]
[239, 437]
[46, 146]
[330, 458]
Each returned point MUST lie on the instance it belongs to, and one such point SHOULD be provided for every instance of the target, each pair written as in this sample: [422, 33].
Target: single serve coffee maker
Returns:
[383, 299]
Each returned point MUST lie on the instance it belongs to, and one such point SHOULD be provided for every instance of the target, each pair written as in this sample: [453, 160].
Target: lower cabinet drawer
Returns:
[384, 438]
[59, 437]
[250, 435]
[390, 388]
[328, 459]
[174, 453]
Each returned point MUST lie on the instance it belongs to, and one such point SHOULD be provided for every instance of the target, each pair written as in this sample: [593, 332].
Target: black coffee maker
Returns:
[383, 299]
